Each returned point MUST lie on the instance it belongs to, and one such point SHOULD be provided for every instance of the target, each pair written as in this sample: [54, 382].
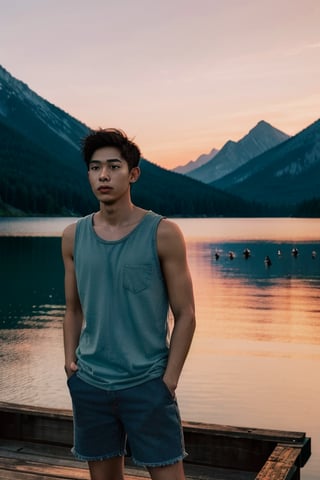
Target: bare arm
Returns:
[172, 254]
[73, 317]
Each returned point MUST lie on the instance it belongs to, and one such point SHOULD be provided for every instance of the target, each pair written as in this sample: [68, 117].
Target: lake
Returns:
[255, 359]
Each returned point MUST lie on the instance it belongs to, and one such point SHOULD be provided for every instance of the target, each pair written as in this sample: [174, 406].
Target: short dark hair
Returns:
[111, 137]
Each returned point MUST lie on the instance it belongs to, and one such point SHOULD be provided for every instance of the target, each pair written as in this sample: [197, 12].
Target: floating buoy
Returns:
[267, 261]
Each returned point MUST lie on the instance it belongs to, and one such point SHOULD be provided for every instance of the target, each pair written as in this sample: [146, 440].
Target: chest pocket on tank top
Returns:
[137, 278]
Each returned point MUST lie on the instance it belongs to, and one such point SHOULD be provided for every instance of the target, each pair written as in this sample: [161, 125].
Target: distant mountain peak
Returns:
[193, 164]
[259, 139]
[286, 174]
[262, 127]
[263, 123]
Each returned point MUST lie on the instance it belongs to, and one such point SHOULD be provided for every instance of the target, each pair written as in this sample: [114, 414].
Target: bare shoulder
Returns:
[68, 239]
[69, 231]
[170, 238]
[169, 229]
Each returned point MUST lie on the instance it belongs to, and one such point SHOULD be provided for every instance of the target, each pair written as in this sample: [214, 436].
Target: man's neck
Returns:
[111, 224]
[113, 215]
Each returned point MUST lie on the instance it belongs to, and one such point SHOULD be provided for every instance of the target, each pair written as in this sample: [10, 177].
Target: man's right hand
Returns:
[71, 369]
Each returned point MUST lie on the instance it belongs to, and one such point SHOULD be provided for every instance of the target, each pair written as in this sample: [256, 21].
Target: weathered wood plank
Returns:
[39, 411]
[42, 468]
[44, 471]
[281, 464]
[244, 432]
[57, 454]
[12, 475]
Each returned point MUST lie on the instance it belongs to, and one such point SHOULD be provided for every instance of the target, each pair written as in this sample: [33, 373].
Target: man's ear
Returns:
[134, 174]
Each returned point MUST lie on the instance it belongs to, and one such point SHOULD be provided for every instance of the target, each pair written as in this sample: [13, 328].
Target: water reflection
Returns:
[31, 281]
[246, 300]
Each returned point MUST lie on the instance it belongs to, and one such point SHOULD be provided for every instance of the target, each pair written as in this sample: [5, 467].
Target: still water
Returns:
[255, 359]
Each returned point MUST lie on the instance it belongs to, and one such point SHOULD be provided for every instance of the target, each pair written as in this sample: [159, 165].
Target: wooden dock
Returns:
[35, 445]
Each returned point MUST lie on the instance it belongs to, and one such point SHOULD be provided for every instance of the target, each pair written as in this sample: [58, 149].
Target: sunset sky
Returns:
[180, 76]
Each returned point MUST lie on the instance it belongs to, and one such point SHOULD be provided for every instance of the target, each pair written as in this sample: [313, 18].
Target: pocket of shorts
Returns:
[136, 278]
[173, 397]
[69, 379]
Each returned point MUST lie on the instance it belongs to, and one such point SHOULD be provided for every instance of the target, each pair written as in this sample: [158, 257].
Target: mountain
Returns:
[47, 125]
[40, 162]
[234, 154]
[33, 181]
[193, 164]
[42, 171]
[286, 174]
[173, 194]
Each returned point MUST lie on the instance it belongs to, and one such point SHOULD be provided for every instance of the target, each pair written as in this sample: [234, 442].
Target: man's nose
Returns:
[104, 173]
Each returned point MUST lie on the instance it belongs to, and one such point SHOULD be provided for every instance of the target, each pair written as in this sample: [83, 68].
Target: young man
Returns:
[124, 267]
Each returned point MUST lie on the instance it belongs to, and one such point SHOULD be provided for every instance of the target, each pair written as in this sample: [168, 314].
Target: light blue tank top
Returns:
[125, 305]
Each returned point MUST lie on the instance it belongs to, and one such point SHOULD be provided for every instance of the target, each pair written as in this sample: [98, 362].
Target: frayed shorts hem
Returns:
[99, 458]
[165, 463]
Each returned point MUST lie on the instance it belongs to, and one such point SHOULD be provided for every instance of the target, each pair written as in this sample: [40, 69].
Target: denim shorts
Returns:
[142, 421]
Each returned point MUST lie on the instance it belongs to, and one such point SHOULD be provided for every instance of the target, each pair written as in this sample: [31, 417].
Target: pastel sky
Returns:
[180, 76]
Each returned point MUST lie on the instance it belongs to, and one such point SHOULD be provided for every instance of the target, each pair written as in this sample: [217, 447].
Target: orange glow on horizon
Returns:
[170, 155]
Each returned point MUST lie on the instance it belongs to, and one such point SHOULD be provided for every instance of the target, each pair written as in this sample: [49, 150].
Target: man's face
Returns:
[109, 174]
